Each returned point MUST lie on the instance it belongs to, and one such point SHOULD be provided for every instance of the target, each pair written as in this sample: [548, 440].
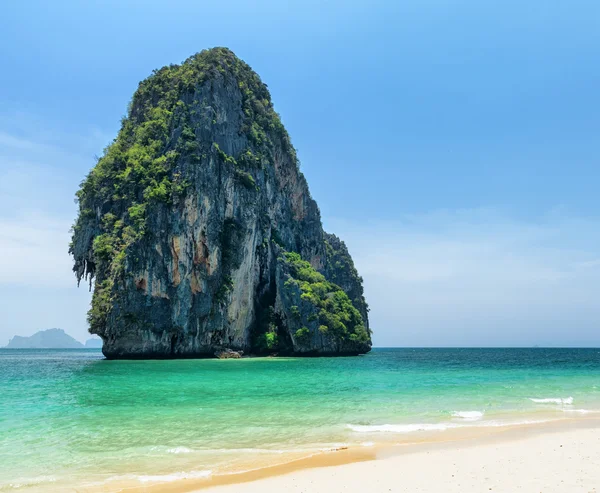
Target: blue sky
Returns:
[452, 144]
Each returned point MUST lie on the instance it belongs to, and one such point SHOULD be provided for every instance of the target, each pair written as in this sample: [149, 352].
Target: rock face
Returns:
[229, 354]
[198, 232]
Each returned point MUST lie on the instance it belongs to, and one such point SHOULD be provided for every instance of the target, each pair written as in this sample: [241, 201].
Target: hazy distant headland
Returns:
[51, 339]
[95, 343]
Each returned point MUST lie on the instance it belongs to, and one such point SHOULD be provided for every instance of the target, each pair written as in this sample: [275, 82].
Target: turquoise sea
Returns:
[72, 421]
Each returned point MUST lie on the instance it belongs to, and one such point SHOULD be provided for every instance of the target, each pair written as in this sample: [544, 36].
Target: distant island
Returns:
[51, 339]
[95, 343]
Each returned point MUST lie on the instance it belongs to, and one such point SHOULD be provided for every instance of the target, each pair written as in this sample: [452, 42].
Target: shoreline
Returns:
[465, 438]
[187, 425]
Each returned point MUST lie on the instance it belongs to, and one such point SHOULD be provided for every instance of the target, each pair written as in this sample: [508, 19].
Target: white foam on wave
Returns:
[411, 428]
[179, 450]
[408, 428]
[27, 482]
[160, 478]
[580, 411]
[553, 400]
[496, 423]
[470, 415]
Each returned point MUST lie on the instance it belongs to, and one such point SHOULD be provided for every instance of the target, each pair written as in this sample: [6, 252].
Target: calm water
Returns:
[68, 417]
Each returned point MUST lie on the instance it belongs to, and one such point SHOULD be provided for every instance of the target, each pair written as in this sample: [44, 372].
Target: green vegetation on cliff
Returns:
[336, 313]
[340, 270]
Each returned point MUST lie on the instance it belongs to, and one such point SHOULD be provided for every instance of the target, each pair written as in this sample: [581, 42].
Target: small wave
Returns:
[471, 415]
[166, 478]
[158, 478]
[579, 411]
[499, 424]
[410, 428]
[401, 428]
[27, 483]
[552, 400]
[180, 450]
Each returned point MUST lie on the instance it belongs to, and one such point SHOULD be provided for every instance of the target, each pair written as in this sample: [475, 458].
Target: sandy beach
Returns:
[558, 458]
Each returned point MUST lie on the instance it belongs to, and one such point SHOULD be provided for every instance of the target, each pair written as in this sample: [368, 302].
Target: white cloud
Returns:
[479, 277]
[34, 251]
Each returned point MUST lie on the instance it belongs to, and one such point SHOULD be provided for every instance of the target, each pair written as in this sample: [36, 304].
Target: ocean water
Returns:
[70, 420]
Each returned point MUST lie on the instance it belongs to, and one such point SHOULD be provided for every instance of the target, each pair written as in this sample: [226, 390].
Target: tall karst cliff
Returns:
[198, 233]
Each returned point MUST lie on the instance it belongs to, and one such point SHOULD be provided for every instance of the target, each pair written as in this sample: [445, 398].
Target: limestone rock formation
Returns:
[198, 234]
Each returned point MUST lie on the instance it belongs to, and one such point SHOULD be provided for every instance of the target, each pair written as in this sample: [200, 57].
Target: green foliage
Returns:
[269, 341]
[295, 312]
[265, 338]
[101, 304]
[340, 270]
[137, 215]
[302, 334]
[336, 313]
[249, 160]
[246, 179]
[225, 158]
[272, 340]
[103, 247]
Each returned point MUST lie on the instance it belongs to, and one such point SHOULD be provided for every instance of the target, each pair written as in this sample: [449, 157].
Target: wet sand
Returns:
[558, 456]
[565, 458]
